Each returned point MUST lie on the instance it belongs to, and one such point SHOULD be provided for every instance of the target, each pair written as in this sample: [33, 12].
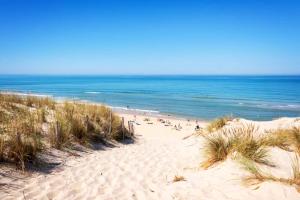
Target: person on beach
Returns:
[179, 127]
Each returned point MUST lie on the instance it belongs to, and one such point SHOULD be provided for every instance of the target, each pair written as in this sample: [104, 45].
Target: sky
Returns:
[150, 37]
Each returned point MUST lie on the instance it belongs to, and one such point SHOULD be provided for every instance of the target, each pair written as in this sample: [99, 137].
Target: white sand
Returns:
[146, 168]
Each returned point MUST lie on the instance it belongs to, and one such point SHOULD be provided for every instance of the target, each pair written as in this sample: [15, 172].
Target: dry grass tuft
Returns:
[251, 148]
[22, 118]
[178, 178]
[85, 123]
[216, 149]
[240, 140]
[31, 101]
[258, 176]
[286, 139]
[39, 102]
[2, 148]
[59, 134]
[218, 124]
[11, 98]
[42, 115]
[21, 140]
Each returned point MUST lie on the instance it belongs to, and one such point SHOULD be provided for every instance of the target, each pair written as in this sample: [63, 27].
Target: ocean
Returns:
[199, 97]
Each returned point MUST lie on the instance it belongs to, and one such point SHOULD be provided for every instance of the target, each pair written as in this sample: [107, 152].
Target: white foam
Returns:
[280, 106]
[25, 94]
[133, 109]
[92, 92]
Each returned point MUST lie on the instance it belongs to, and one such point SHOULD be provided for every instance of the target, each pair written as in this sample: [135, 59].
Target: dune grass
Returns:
[258, 176]
[22, 118]
[84, 123]
[218, 123]
[252, 152]
[2, 148]
[286, 139]
[216, 149]
[39, 102]
[178, 178]
[31, 101]
[59, 132]
[42, 115]
[11, 98]
[250, 148]
[73, 117]
[21, 139]
[240, 140]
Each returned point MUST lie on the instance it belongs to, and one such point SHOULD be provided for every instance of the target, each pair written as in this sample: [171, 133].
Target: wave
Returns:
[92, 92]
[134, 109]
[286, 107]
[220, 98]
[25, 94]
[274, 106]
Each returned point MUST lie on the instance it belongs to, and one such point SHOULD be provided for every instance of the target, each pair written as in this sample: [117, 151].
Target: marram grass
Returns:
[218, 124]
[21, 140]
[22, 119]
[258, 176]
[178, 178]
[287, 139]
[216, 149]
[239, 140]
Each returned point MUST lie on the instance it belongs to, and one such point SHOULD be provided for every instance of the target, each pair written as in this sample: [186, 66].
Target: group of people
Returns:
[168, 123]
[178, 127]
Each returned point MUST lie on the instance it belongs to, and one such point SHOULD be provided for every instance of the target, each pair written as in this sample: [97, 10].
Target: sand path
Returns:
[145, 170]
[141, 170]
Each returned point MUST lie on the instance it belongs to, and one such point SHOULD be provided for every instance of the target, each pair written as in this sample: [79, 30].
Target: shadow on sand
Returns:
[52, 160]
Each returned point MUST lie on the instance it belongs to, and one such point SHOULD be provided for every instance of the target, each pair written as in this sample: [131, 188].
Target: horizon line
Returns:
[64, 74]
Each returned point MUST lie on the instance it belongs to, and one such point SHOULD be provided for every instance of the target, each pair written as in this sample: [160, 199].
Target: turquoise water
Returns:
[204, 97]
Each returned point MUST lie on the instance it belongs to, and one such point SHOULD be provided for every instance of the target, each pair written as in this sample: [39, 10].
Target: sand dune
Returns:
[145, 170]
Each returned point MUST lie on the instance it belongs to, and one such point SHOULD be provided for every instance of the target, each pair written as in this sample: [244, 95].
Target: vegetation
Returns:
[216, 148]
[240, 140]
[85, 122]
[218, 124]
[252, 152]
[22, 118]
[287, 139]
[178, 178]
[257, 175]
[246, 145]
[31, 101]
[21, 139]
[59, 133]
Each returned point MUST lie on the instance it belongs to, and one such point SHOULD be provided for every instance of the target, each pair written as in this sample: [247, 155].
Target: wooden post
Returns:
[110, 116]
[123, 132]
[21, 158]
[132, 129]
[57, 134]
[129, 126]
[87, 123]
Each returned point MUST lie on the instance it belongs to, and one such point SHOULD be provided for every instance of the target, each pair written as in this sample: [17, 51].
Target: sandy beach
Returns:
[149, 100]
[145, 169]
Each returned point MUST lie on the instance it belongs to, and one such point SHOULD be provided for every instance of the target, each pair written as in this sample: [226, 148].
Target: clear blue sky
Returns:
[150, 37]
